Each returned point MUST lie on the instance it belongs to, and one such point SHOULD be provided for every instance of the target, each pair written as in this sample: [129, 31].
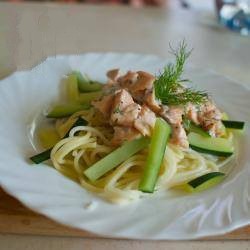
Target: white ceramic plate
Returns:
[24, 94]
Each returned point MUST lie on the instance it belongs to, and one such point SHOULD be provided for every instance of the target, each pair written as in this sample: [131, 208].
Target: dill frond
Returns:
[168, 87]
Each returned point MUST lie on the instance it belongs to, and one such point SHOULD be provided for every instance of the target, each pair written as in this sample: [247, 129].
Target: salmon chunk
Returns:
[122, 99]
[128, 79]
[104, 105]
[145, 121]
[122, 134]
[144, 81]
[151, 101]
[172, 114]
[179, 136]
[192, 113]
[113, 74]
[124, 110]
[209, 117]
[127, 116]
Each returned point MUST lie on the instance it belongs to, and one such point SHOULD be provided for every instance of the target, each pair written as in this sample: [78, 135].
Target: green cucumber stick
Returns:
[85, 85]
[64, 110]
[72, 88]
[156, 152]
[87, 98]
[115, 158]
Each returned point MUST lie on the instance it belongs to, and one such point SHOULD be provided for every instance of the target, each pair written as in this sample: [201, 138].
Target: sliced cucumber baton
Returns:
[45, 155]
[189, 126]
[72, 88]
[210, 145]
[156, 152]
[197, 129]
[65, 110]
[115, 158]
[86, 85]
[225, 116]
[87, 98]
[234, 124]
[203, 182]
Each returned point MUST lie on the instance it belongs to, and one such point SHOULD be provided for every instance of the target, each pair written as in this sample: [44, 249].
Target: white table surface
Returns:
[31, 32]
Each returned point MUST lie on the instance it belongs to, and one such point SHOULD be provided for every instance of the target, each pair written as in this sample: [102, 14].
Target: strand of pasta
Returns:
[123, 182]
[119, 171]
[94, 131]
[65, 146]
[90, 187]
[77, 156]
[169, 168]
[63, 125]
[87, 159]
[110, 191]
[71, 144]
[132, 184]
[120, 185]
[99, 149]
[198, 169]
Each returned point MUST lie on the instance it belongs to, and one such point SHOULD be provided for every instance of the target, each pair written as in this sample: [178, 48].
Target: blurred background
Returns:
[233, 14]
[217, 29]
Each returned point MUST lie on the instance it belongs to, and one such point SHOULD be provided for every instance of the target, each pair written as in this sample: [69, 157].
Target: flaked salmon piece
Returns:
[113, 74]
[124, 110]
[138, 96]
[128, 79]
[104, 105]
[144, 81]
[179, 136]
[217, 130]
[112, 85]
[214, 127]
[122, 99]
[210, 111]
[151, 101]
[192, 113]
[209, 117]
[127, 116]
[172, 114]
[122, 134]
[145, 121]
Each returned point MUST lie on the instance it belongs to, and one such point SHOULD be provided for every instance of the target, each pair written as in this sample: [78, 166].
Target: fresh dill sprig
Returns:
[168, 87]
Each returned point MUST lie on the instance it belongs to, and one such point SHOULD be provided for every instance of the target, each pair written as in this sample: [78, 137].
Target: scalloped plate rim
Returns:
[9, 190]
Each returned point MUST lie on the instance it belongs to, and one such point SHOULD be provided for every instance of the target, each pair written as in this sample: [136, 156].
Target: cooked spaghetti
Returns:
[140, 134]
[87, 144]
